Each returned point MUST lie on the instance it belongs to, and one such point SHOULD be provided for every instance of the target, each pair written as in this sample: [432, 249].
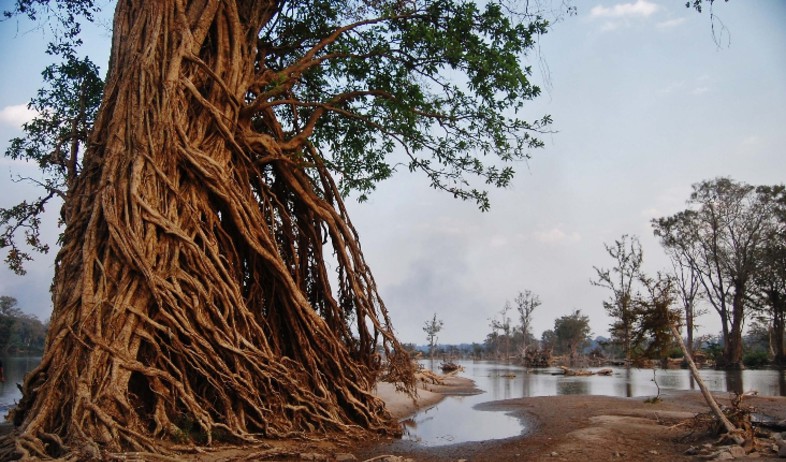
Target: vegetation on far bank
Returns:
[20, 333]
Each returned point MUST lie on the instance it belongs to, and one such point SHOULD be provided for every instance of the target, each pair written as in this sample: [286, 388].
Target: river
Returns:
[456, 420]
[15, 368]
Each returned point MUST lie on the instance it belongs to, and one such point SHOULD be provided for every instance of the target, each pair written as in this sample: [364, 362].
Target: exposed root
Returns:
[193, 302]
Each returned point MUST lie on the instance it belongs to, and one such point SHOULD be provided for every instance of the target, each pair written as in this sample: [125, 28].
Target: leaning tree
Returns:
[193, 288]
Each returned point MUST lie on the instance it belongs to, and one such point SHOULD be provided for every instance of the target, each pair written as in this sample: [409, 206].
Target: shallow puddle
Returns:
[454, 421]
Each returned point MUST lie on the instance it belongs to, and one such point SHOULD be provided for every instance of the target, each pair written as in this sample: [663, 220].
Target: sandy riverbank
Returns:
[589, 428]
[401, 405]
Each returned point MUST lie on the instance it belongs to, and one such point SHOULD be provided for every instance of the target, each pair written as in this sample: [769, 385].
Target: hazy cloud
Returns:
[642, 8]
[16, 115]
[556, 235]
[671, 23]
[752, 140]
[650, 213]
[672, 88]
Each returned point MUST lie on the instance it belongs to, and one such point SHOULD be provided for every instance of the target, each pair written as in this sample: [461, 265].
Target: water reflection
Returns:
[734, 382]
[15, 368]
[573, 387]
[454, 420]
[782, 383]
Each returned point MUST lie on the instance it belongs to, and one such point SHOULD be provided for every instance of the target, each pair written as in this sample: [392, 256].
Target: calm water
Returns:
[454, 420]
[15, 369]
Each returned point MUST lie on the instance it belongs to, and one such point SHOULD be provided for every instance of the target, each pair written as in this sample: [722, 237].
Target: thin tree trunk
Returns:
[730, 428]
[733, 358]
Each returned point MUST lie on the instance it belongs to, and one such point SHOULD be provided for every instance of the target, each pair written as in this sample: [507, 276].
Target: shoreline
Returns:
[586, 428]
[401, 405]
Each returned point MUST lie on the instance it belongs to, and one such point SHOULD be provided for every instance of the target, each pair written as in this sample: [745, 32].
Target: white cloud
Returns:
[700, 90]
[498, 241]
[624, 10]
[556, 235]
[673, 87]
[671, 23]
[16, 115]
[752, 140]
[650, 213]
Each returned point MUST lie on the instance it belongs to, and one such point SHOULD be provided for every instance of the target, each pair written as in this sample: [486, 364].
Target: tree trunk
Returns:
[689, 327]
[778, 311]
[733, 347]
[191, 298]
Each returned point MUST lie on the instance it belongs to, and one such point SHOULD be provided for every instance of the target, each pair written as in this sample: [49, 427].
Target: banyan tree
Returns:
[209, 276]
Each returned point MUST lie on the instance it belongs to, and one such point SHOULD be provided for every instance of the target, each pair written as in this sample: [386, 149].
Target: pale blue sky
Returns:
[645, 104]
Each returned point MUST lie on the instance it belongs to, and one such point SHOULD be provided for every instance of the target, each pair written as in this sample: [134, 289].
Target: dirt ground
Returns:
[587, 428]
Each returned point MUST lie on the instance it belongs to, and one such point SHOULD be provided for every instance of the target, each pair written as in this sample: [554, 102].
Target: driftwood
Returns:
[450, 367]
[584, 372]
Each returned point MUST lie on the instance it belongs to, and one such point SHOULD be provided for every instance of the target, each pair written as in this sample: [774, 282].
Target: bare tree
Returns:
[526, 303]
[620, 279]
[505, 326]
[432, 328]
[687, 282]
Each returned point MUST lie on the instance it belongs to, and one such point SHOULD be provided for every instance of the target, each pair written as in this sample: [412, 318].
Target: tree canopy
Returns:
[192, 283]
[437, 87]
[726, 237]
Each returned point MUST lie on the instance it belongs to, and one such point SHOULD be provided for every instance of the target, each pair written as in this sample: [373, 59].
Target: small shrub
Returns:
[757, 358]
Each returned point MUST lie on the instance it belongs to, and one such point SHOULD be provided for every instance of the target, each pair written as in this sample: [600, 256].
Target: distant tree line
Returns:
[19, 332]
[728, 255]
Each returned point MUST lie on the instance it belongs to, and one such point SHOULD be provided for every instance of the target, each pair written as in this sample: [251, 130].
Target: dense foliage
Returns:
[19, 331]
[438, 87]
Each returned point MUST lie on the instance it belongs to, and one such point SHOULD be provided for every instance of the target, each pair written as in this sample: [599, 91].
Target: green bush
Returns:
[757, 358]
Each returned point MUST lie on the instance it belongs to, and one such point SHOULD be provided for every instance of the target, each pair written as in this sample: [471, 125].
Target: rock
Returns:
[737, 451]
[343, 457]
[711, 455]
[554, 454]
[691, 451]
[724, 455]
[781, 448]
[315, 456]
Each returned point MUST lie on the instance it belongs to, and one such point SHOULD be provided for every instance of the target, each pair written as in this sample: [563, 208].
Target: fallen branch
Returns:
[731, 430]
